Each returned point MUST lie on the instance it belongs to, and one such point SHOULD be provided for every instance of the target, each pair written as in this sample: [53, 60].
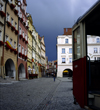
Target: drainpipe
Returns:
[4, 37]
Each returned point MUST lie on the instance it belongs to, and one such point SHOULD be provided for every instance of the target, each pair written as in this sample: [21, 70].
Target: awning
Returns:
[65, 71]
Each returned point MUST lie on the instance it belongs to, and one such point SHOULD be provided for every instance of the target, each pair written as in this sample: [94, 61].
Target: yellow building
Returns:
[11, 36]
[29, 60]
[2, 16]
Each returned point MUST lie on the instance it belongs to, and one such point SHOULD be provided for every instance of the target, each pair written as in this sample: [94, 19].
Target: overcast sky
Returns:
[51, 16]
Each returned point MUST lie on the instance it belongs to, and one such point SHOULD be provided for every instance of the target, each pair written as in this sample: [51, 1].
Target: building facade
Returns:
[30, 37]
[10, 38]
[22, 41]
[64, 53]
[2, 23]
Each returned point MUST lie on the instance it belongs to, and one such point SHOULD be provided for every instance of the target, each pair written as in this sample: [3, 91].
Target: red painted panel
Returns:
[79, 81]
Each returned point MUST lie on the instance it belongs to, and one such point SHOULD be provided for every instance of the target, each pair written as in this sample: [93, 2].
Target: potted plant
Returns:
[21, 36]
[16, 12]
[12, 28]
[20, 54]
[1, 43]
[16, 32]
[8, 24]
[2, 14]
[12, 6]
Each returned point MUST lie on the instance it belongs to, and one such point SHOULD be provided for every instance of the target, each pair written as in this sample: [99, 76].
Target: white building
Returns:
[64, 52]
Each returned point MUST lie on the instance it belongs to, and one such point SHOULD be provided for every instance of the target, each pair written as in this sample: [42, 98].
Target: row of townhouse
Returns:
[64, 51]
[22, 50]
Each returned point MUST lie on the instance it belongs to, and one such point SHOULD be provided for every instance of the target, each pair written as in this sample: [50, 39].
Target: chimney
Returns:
[68, 32]
[64, 31]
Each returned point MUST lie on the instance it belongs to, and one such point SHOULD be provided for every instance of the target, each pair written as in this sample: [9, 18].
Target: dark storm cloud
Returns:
[51, 16]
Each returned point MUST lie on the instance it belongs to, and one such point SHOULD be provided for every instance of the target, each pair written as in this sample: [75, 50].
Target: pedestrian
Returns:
[54, 76]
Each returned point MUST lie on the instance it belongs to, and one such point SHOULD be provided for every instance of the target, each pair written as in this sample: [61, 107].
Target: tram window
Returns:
[77, 43]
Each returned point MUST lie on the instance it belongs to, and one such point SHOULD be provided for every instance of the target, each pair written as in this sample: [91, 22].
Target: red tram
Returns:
[86, 72]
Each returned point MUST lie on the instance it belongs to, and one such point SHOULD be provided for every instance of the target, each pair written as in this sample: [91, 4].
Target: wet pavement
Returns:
[37, 94]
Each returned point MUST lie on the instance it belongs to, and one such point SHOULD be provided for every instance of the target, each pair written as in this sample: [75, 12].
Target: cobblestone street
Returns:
[38, 94]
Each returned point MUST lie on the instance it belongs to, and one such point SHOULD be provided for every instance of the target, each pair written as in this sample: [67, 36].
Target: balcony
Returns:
[16, 32]
[16, 12]
[21, 36]
[12, 28]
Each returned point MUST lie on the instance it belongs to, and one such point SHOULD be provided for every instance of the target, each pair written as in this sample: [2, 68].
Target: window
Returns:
[12, 21]
[14, 44]
[95, 50]
[19, 48]
[23, 34]
[7, 16]
[22, 50]
[23, 19]
[26, 37]
[98, 40]
[77, 44]
[11, 40]
[70, 60]
[6, 39]
[0, 35]
[20, 30]
[63, 60]
[70, 50]
[94, 58]
[1, 7]
[66, 41]
[25, 51]
[63, 50]
[15, 25]
[98, 58]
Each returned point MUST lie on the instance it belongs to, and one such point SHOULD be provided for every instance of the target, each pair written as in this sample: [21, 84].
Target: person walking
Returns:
[54, 76]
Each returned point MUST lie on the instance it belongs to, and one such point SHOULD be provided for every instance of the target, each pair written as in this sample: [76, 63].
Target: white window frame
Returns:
[20, 30]
[22, 50]
[70, 60]
[0, 34]
[95, 50]
[63, 50]
[25, 52]
[23, 34]
[66, 41]
[97, 40]
[6, 38]
[8, 16]
[11, 40]
[12, 21]
[19, 48]
[15, 25]
[1, 7]
[26, 37]
[63, 60]
[14, 44]
[69, 51]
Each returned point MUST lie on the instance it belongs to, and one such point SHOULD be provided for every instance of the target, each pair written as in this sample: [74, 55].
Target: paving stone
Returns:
[38, 94]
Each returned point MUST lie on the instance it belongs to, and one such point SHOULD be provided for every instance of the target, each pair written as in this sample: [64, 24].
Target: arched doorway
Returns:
[21, 71]
[10, 68]
[67, 73]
